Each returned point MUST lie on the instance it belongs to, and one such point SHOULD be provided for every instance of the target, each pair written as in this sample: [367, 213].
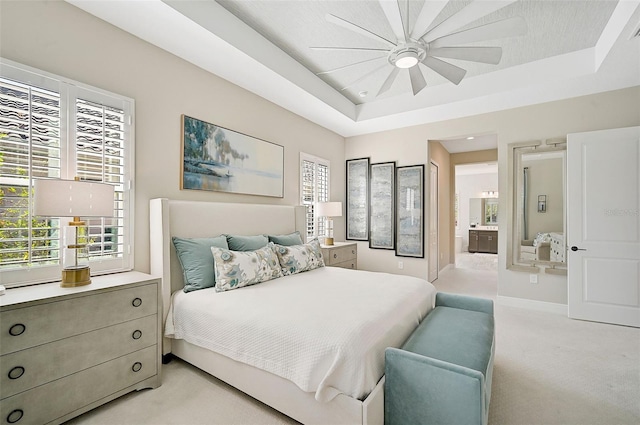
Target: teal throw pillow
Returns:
[197, 261]
[287, 240]
[246, 243]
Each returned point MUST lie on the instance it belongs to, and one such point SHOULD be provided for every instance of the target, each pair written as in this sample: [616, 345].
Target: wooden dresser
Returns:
[64, 351]
[342, 254]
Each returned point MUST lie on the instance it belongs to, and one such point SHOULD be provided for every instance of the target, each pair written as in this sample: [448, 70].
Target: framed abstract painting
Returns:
[358, 199]
[218, 159]
[382, 205]
[410, 211]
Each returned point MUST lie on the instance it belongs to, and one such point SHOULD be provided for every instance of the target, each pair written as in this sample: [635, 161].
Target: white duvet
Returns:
[325, 330]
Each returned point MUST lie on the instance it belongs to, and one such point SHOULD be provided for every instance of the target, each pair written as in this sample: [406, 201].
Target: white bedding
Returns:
[325, 329]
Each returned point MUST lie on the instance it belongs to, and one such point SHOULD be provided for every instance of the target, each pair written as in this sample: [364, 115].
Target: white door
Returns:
[433, 223]
[603, 226]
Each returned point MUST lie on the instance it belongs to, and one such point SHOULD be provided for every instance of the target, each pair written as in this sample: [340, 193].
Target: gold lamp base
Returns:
[75, 277]
[328, 241]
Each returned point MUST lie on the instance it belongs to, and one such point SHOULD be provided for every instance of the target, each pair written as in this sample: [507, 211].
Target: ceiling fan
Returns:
[422, 45]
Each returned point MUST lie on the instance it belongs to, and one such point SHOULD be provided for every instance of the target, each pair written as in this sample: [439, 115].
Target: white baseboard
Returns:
[548, 307]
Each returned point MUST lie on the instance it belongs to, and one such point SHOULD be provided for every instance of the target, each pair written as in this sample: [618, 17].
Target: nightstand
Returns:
[64, 351]
[342, 254]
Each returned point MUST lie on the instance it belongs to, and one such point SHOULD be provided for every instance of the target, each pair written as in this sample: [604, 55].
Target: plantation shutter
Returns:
[54, 128]
[30, 120]
[314, 187]
[100, 157]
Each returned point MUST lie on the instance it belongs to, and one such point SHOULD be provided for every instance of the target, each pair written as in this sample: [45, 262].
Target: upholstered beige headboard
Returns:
[191, 219]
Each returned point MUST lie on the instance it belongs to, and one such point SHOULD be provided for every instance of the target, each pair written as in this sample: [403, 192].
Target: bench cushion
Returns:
[454, 335]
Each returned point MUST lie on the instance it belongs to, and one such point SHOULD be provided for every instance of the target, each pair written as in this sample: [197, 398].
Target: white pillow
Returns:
[235, 269]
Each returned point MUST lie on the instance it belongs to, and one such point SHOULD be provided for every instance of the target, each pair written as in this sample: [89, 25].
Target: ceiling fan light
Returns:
[406, 60]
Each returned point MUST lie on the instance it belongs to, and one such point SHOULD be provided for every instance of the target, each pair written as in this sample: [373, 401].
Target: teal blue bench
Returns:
[442, 374]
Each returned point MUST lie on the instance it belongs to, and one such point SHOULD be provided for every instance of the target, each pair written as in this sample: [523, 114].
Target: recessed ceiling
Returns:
[571, 48]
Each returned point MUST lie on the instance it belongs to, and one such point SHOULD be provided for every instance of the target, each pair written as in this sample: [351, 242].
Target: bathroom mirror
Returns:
[483, 212]
[537, 223]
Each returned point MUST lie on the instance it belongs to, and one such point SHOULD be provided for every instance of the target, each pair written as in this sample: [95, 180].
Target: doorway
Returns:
[476, 230]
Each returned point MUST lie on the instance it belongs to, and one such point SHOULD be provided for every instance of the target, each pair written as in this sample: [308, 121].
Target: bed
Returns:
[339, 394]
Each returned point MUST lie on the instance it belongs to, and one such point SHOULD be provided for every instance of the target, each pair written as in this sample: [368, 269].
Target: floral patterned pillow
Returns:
[235, 269]
[299, 258]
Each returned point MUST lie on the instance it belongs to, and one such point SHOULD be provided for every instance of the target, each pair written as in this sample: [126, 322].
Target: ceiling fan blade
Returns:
[391, 9]
[364, 49]
[357, 29]
[389, 81]
[450, 72]
[350, 65]
[429, 12]
[490, 55]
[363, 77]
[472, 12]
[417, 79]
[505, 28]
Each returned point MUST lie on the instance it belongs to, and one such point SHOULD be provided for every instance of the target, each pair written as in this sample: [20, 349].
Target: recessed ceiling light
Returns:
[363, 93]
[470, 138]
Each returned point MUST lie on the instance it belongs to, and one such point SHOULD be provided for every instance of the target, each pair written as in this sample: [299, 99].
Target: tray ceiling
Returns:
[571, 48]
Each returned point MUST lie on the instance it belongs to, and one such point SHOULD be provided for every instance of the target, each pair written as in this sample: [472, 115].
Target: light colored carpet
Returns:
[548, 370]
[476, 261]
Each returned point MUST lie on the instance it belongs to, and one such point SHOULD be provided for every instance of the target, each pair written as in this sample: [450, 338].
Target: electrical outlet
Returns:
[533, 278]
[400, 265]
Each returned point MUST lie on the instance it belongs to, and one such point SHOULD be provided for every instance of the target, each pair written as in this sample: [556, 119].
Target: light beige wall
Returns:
[56, 37]
[620, 108]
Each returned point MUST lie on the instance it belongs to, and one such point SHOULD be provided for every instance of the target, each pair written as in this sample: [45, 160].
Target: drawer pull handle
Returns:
[137, 366]
[137, 302]
[17, 329]
[137, 334]
[353, 251]
[335, 255]
[16, 372]
[15, 416]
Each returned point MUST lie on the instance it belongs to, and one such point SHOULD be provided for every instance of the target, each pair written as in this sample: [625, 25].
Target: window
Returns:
[51, 127]
[314, 187]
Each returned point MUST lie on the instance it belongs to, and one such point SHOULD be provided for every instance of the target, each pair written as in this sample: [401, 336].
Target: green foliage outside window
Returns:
[15, 225]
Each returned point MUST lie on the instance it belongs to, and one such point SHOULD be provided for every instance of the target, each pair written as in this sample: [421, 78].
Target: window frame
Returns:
[316, 160]
[70, 91]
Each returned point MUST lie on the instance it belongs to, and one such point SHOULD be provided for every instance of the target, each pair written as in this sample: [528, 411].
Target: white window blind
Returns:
[55, 128]
[314, 187]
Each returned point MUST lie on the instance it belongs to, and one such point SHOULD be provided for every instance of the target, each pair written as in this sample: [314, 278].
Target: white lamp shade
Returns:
[329, 209]
[72, 198]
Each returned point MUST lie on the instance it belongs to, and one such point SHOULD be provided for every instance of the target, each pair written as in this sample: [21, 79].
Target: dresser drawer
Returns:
[30, 326]
[341, 254]
[26, 369]
[45, 403]
[351, 264]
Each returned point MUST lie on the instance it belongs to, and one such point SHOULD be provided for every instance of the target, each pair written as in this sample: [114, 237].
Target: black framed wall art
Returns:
[382, 195]
[410, 211]
[357, 209]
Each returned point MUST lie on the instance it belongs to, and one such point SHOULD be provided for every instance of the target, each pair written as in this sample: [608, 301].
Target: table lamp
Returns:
[329, 210]
[73, 198]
